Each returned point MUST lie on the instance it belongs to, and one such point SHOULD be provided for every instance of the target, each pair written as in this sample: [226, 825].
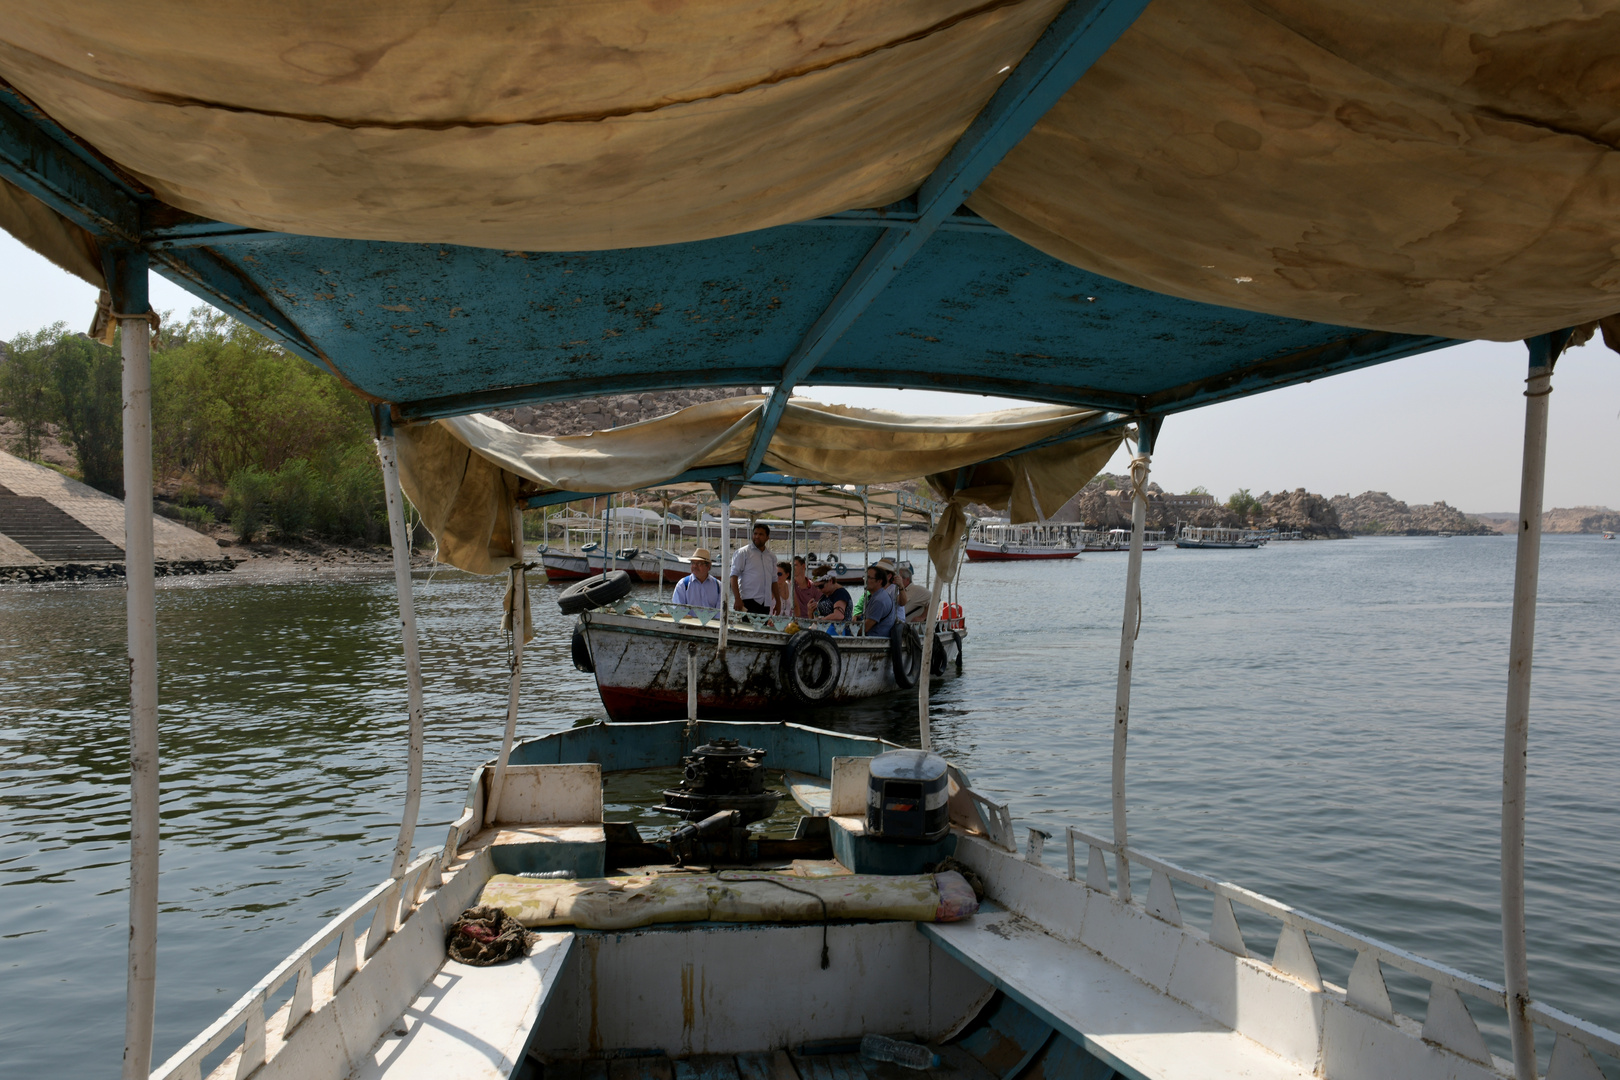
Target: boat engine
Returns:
[722, 775]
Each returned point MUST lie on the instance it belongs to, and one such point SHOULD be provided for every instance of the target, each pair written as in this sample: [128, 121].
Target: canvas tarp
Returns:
[463, 474]
[1403, 165]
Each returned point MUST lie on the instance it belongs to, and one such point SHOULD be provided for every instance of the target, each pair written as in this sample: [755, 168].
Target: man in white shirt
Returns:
[753, 572]
[698, 589]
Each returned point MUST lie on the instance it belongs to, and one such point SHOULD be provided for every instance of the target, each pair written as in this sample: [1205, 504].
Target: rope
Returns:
[1545, 377]
[802, 892]
[1139, 476]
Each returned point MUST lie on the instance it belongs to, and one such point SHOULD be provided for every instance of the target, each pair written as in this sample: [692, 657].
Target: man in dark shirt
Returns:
[835, 600]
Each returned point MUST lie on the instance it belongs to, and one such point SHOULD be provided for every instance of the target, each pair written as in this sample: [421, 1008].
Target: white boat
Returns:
[1120, 540]
[466, 209]
[1000, 541]
[1194, 537]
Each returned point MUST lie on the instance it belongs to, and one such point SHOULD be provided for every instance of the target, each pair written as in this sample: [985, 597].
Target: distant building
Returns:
[1188, 502]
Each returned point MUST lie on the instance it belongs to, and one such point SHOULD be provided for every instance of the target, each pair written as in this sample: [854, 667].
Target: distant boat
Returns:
[1120, 540]
[1195, 537]
[1608, 536]
[999, 541]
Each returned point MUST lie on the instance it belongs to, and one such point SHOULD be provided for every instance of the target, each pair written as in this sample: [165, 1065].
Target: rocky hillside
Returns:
[1102, 504]
[1376, 513]
[1566, 519]
[598, 414]
[1304, 511]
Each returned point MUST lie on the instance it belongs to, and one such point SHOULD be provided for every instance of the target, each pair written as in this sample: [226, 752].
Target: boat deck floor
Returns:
[831, 1061]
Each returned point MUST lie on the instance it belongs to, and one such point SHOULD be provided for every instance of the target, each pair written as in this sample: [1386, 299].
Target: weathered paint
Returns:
[641, 668]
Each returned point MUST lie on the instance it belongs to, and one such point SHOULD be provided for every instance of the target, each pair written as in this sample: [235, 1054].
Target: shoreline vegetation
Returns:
[274, 459]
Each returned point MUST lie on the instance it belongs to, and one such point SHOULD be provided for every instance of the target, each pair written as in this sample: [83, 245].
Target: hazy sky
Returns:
[1447, 425]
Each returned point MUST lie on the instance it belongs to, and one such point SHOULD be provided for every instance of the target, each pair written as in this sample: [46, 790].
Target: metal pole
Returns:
[388, 452]
[127, 283]
[1515, 742]
[1128, 630]
[725, 562]
[520, 630]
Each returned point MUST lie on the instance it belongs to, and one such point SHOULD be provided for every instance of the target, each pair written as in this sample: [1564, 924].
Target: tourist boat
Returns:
[999, 541]
[1120, 540]
[622, 218]
[1191, 536]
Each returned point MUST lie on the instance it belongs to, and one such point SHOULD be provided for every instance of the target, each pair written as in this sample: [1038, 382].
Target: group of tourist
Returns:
[765, 586]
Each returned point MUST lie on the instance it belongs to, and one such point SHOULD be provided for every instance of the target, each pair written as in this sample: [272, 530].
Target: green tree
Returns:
[226, 399]
[1243, 504]
[27, 395]
[88, 379]
[1199, 490]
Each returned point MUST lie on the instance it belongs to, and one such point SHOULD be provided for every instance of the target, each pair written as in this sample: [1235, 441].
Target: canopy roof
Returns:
[465, 473]
[1100, 203]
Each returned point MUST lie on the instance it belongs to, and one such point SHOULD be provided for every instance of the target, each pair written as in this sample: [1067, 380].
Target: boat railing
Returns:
[705, 616]
[388, 905]
[1447, 1022]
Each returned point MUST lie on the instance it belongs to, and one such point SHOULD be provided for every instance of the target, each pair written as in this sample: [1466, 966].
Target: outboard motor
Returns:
[906, 797]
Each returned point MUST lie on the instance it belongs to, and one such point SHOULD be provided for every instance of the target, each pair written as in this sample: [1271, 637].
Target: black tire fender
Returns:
[905, 653]
[936, 658]
[811, 664]
[594, 592]
[956, 636]
[582, 649]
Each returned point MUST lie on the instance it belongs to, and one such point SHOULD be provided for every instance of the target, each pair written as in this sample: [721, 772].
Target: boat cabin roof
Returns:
[1037, 200]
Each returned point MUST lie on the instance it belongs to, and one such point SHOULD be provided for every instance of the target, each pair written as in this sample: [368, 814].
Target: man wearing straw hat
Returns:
[698, 589]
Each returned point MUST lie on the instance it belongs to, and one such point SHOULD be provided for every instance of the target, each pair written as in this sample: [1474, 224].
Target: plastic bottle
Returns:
[910, 1055]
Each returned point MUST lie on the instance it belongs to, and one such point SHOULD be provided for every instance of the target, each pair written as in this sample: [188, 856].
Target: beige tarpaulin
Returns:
[464, 473]
[50, 234]
[1411, 165]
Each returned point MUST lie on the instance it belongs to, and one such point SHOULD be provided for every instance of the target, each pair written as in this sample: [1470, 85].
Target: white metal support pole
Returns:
[1515, 741]
[1128, 630]
[520, 630]
[126, 280]
[388, 451]
[725, 562]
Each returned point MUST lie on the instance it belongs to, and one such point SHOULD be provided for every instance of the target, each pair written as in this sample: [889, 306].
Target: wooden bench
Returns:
[471, 1023]
[1116, 1017]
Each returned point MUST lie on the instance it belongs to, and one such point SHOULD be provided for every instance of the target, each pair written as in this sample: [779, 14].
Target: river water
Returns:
[1320, 722]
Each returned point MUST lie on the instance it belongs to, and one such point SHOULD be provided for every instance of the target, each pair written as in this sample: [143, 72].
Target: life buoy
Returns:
[594, 592]
[581, 647]
[905, 653]
[811, 665]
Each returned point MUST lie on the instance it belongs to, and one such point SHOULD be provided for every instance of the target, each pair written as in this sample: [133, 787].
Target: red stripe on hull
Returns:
[1014, 556]
[625, 705]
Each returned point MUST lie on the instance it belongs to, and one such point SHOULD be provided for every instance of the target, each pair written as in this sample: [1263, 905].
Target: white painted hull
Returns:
[641, 667]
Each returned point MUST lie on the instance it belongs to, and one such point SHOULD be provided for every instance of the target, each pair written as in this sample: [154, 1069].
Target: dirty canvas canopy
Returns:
[465, 473]
[1402, 165]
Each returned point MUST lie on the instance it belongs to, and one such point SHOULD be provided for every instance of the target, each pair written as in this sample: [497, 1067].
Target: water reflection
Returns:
[1321, 722]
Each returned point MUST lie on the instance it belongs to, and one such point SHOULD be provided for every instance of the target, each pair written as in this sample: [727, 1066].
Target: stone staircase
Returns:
[51, 533]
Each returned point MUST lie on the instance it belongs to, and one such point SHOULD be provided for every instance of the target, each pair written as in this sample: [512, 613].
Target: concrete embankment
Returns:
[53, 528]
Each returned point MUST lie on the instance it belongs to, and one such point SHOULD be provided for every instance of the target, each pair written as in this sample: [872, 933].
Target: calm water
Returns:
[1320, 722]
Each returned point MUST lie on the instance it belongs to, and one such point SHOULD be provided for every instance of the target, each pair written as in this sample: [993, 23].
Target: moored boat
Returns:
[1120, 540]
[1000, 541]
[1216, 538]
[647, 657]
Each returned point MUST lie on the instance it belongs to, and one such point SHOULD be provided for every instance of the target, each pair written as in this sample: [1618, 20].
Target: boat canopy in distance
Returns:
[465, 473]
[1102, 203]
